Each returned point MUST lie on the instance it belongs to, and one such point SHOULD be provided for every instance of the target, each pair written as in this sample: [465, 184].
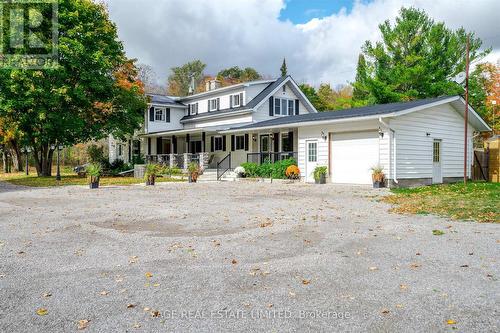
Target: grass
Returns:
[69, 178]
[476, 201]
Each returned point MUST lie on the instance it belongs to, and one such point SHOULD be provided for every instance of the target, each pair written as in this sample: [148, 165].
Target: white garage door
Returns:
[352, 156]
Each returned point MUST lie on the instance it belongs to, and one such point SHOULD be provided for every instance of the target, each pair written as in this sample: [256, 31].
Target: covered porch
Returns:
[209, 147]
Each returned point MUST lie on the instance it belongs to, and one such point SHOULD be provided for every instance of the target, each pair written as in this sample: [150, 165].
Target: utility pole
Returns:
[466, 115]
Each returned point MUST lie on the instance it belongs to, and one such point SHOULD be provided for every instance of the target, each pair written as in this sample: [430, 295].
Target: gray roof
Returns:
[163, 99]
[214, 113]
[379, 109]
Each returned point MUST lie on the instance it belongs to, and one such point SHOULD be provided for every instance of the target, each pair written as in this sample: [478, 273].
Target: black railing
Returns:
[270, 157]
[223, 166]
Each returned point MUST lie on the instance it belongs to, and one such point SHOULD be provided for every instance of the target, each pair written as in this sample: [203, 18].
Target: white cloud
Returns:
[224, 33]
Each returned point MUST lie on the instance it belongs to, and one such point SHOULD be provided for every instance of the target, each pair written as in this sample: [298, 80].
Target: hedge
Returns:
[275, 170]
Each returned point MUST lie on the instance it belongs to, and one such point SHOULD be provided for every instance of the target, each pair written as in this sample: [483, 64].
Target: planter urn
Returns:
[94, 183]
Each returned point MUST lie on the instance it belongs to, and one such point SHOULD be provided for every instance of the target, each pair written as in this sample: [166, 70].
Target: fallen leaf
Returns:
[403, 286]
[104, 292]
[437, 232]
[47, 294]
[149, 275]
[270, 305]
[415, 265]
[130, 306]
[234, 262]
[291, 293]
[304, 281]
[42, 311]
[385, 311]
[156, 284]
[464, 266]
[399, 306]
[82, 324]
[146, 309]
[136, 325]
[373, 268]
[451, 322]
[155, 313]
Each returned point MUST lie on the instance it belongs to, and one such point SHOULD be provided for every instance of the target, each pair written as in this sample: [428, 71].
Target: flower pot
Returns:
[150, 181]
[94, 183]
[378, 184]
[321, 180]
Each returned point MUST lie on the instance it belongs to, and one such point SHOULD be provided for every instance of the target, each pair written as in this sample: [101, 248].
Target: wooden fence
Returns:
[480, 169]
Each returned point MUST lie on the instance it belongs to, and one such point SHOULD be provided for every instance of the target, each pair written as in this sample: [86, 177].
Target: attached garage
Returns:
[352, 155]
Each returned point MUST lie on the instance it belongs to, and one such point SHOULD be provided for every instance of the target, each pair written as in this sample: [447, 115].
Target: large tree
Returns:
[416, 58]
[235, 75]
[182, 77]
[92, 92]
[484, 93]
[313, 97]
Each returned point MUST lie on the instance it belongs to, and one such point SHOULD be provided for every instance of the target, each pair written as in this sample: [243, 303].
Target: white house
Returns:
[418, 142]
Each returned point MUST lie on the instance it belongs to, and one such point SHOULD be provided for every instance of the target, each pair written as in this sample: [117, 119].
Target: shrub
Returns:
[250, 169]
[152, 170]
[96, 154]
[166, 170]
[275, 170]
[94, 171]
[292, 172]
[319, 171]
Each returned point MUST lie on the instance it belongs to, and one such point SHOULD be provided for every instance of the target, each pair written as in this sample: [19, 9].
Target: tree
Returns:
[360, 91]
[484, 93]
[234, 75]
[283, 69]
[92, 92]
[335, 99]
[149, 78]
[416, 58]
[313, 97]
[180, 79]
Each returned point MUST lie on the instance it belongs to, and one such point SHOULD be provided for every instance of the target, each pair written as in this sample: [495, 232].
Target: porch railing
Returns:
[223, 166]
[271, 157]
[180, 161]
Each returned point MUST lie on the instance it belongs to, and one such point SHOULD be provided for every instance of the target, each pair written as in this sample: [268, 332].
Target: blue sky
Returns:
[302, 11]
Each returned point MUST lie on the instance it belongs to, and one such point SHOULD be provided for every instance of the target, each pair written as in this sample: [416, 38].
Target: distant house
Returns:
[418, 142]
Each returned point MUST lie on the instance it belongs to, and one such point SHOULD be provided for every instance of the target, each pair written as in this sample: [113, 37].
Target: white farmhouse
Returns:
[418, 142]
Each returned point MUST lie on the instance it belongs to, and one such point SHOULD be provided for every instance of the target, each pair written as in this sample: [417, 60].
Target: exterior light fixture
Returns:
[323, 135]
[380, 133]
[428, 134]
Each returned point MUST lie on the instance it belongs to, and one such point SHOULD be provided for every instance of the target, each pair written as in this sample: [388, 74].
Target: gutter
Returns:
[394, 178]
[220, 115]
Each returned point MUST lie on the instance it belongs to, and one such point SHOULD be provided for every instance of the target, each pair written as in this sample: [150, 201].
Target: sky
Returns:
[320, 39]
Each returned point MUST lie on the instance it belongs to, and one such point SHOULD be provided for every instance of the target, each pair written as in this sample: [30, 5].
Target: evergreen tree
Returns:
[283, 69]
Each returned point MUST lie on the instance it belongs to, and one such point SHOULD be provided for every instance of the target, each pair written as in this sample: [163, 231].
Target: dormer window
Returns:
[213, 104]
[193, 109]
[159, 114]
[236, 100]
[284, 107]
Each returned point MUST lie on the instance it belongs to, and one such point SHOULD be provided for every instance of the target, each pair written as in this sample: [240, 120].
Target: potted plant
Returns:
[292, 172]
[320, 174]
[378, 176]
[94, 171]
[194, 172]
[150, 173]
[240, 172]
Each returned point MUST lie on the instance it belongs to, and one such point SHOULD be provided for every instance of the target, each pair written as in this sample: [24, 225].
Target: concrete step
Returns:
[210, 175]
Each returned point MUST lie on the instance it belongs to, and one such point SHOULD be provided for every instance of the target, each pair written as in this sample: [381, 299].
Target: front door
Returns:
[311, 159]
[437, 177]
[195, 147]
[265, 147]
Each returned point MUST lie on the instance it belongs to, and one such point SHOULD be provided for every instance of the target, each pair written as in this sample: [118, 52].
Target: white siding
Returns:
[223, 96]
[262, 113]
[314, 132]
[414, 147]
[242, 119]
[159, 126]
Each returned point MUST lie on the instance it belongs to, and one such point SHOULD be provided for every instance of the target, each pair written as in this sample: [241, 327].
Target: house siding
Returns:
[176, 115]
[414, 147]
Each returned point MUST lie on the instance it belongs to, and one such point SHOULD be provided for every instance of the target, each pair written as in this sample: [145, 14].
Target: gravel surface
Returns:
[231, 257]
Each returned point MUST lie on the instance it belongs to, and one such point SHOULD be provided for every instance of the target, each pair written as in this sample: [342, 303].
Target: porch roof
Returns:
[212, 129]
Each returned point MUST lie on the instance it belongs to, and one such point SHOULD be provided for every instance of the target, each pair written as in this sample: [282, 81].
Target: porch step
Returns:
[210, 175]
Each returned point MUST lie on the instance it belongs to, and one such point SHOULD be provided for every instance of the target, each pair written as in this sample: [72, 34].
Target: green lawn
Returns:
[476, 201]
[68, 178]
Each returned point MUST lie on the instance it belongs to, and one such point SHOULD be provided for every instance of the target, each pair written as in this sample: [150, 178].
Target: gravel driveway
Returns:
[239, 257]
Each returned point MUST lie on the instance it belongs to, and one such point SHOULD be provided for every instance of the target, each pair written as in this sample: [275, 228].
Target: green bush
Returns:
[266, 170]
[94, 170]
[166, 170]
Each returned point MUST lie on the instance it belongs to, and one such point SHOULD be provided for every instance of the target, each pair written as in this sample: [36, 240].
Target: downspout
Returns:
[394, 176]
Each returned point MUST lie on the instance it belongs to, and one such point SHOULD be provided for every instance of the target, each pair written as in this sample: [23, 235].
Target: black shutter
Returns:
[276, 142]
[297, 107]
[203, 140]
[212, 144]
[158, 146]
[151, 114]
[208, 106]
[290, 140]
[174, 143]
[168, 115]
[241, 99]
[149, 146]
[230, 101]
[233, 143]
[271, 106]
[187, 143]
[218, 103]
[223, 143]
[189, 109]
[246, 142]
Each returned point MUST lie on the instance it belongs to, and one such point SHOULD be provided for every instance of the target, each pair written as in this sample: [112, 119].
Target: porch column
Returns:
[187, 143]
[172, 162]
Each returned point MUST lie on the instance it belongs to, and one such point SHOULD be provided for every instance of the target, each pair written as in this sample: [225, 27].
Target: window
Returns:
[312, 152]
[284, 107]
[286, 144]
[236, 100]
[193, 108]
[159, 114]
[218, 143]
[277, 106]
[291, 107]
[136, 147]
[120, 150]
[240, 142]
[436, 151]
[213, 104]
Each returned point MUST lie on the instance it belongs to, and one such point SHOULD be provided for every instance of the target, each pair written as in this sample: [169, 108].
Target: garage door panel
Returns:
[352, 156]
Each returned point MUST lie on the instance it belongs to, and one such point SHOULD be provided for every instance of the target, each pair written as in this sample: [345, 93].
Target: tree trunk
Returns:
[5, 161]
[17, 158]
[43, 160]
